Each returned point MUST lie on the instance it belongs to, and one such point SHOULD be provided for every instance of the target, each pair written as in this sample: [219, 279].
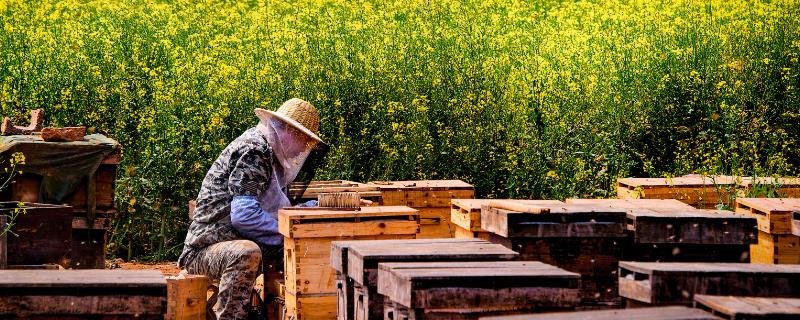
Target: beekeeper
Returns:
[235, 219]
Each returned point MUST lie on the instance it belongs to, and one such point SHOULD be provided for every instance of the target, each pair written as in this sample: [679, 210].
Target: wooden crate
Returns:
[431, 197]
[698, 191]
[652, 313]
[464, 290]
[358, 262]
[774, 214]
[670, 221]
[465, 214]
[776, 249]
[308, 234]
[315, 188]
[44, 233]
[186, 297]
[749, 308]
[586, 239]
[653, 283]
[768, 186]
[122, 294]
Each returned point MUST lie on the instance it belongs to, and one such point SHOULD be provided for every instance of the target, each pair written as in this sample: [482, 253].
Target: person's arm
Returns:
[249, 179]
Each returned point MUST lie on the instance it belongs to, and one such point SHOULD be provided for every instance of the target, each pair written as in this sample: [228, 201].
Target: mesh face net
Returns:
[298, 155]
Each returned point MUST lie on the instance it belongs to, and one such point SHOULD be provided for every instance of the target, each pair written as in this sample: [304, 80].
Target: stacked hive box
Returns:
[670, 283]
[42, 234]
[669, 230]
[749, 308]
[468, 290]
[431, 198]
[697, 191]
[357, 262]
[92, 201]
[310, 292]
[769, 187]
[776, 243]
[465, 214]
[578, 238]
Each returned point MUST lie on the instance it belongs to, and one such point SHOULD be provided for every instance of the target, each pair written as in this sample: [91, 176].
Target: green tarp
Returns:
[62, 165]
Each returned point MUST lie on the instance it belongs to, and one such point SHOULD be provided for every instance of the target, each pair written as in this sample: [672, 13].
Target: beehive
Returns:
[776, 242]
[465, 214]
[695, 190]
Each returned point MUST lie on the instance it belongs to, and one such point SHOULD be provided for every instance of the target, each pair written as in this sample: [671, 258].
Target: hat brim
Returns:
[265, 115]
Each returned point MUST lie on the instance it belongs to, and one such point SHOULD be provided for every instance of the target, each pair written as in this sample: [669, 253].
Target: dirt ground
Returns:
[167, 268]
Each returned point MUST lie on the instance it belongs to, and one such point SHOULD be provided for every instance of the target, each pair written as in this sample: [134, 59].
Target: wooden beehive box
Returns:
[465, 290]
[586, 239]
[654, 283]
[749, 308]
[313, 189]
[42, 233]
[118, 294]
[308, 234]
[695, 190]
[670, 230]
[186, 297]
[465, 214]
[431, 198]
[768, 186]
[776, 242]
[652, 313]
[358, 261]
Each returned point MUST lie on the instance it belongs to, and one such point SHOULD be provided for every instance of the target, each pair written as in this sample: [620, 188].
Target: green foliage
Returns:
[540, 99]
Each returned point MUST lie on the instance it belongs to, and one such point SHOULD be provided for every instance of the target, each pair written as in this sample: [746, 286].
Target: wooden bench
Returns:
[118, 294]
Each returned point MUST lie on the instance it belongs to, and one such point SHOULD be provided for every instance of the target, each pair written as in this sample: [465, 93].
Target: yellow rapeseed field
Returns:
[541, 99]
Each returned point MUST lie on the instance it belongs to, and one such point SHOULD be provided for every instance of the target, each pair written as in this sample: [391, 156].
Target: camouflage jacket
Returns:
[243, 169]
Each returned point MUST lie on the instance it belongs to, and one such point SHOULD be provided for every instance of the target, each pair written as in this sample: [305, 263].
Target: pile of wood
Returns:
[310, 291]
[776, 242]
[579, 238]
[431, 198]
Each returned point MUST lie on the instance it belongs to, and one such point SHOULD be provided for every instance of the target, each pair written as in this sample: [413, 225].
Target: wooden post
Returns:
[186, 297]
[3, 243]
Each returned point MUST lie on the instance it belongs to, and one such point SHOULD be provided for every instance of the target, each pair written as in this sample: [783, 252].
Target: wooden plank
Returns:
[567, 220]
[423, 185]
[774, 215]
[750, 307]
[702, 191]
[186, 297]
[653, 313]
[435, 223]
[477, 285]
[675, 283]
[424, 193]
[776, 249]
[82, 279]
[65, 305]
[3, 243]
[686, 252]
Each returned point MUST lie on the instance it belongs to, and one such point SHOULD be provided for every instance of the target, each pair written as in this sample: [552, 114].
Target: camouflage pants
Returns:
[235, 264]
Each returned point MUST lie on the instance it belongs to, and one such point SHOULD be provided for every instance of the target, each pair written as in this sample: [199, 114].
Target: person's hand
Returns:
[366, 203]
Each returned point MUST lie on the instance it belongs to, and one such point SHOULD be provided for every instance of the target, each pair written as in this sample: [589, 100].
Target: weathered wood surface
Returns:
[774, 214]
[43, 233]
[776, 249]
[82, 292]
[783, 187]
[653, 313]
[3, 243]
[478, 286]
[749, 308]
[186, 297]
[675, 283]
[310, 306]
[671, 221]
[359, 260]
[313, 189]
[466, 213]
[689, 252]
[423, 193]
[331, 223]
[562, 220]
[700, 191]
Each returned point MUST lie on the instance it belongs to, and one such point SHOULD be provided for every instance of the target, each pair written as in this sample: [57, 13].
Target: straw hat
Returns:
[296, 112]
